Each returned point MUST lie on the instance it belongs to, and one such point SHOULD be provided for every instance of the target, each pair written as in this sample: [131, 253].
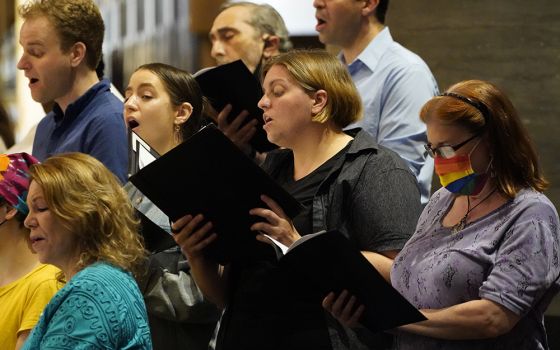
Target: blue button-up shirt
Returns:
[92, 124]
[394, 84]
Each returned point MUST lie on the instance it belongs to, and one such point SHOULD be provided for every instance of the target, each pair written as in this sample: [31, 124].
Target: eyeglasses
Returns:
[446, 151]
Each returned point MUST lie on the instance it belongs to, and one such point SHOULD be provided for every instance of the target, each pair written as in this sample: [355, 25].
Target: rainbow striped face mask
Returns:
[457, 175]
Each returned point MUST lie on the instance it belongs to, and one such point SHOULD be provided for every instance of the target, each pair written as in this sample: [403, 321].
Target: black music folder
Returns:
[208, 174]
[234, 84]
[328, 262]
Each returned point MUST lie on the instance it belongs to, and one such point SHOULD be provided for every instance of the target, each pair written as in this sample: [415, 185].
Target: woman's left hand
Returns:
[345, 308]
[277, 225]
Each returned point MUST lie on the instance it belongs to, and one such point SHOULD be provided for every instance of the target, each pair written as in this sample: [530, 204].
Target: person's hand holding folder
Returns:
[345, 308]
[207, 174]
[192, 234]
[277, 224]
[240, 134]
[234, 92]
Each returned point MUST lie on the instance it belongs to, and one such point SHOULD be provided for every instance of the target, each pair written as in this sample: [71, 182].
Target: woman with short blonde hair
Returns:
[344, 181]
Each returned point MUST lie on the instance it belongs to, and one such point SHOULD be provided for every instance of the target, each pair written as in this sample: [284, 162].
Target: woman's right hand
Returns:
[344, 309]
[238, 133]
[191, 236]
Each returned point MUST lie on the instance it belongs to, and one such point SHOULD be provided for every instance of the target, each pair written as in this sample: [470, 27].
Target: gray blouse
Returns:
[509, 256]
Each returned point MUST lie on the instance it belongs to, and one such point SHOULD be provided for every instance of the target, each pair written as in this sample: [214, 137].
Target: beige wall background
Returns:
[514, 44]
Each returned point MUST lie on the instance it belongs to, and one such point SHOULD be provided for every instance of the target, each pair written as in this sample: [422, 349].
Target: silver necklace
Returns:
[463, 222]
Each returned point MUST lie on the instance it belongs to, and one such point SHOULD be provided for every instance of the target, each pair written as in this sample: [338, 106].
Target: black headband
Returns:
[478, 105]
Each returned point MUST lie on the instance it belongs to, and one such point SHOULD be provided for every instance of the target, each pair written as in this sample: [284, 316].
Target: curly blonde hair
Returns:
[90, 202]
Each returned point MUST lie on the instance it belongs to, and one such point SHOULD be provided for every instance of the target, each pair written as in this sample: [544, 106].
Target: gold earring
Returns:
[177, 135]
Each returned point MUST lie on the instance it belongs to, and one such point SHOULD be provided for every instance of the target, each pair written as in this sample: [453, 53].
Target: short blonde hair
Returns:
[90, 202]
[317, 70]
[74, 21]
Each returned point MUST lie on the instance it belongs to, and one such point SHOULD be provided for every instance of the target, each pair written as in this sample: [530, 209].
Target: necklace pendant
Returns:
[459, 226]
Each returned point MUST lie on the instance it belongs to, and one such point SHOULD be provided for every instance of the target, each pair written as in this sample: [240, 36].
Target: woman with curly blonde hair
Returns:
[82, 222]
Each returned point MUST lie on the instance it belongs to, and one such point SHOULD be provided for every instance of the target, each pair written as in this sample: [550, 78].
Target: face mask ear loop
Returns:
[490, 168]
[475, 146]
[489, 163]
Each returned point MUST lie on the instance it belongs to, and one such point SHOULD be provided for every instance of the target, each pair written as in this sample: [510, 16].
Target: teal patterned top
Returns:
[101, 307]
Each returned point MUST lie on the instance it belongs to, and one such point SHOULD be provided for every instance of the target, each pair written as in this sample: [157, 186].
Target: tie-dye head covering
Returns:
[14, 179]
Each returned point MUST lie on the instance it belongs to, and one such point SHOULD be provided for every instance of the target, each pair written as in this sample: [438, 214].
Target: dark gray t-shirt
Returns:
[370, 195]
[509, 256]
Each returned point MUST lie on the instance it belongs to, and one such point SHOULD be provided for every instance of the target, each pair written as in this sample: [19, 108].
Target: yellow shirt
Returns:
[22, 301]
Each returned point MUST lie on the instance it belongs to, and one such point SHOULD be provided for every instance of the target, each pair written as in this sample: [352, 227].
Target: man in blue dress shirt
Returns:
[394, 83]
[62, 43]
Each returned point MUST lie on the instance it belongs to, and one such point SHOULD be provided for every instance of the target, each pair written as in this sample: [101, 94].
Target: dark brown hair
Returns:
[381, 11]
[182, 87]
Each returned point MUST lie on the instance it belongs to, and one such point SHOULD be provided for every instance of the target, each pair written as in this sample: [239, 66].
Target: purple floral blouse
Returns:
[509, 256]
